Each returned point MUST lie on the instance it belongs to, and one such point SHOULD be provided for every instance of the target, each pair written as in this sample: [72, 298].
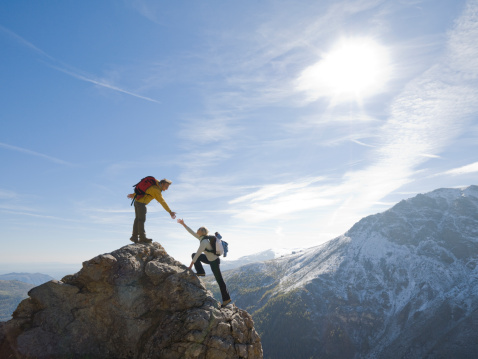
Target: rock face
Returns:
[136, 302]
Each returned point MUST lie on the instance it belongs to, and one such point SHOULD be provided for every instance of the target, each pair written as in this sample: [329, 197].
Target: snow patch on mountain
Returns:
[406, 233]
[263, 256]
[401, 283]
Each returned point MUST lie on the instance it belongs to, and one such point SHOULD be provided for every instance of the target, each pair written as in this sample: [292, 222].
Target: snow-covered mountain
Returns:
[398, 284]
[263, 256]
[228, 264]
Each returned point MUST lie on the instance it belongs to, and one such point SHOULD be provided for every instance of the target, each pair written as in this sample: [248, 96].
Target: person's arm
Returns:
[156, 193]
[181, 221]
[202, 246]
[201, 249]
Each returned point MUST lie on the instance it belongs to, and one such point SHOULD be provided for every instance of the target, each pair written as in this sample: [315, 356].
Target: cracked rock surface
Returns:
[136, 302]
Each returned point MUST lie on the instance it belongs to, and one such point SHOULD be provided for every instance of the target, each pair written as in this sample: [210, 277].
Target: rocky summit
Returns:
[136, 302]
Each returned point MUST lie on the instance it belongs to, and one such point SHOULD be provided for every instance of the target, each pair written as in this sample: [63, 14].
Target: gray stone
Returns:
[136, 302]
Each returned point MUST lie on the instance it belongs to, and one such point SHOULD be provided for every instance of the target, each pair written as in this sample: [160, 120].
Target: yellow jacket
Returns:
[154, 192]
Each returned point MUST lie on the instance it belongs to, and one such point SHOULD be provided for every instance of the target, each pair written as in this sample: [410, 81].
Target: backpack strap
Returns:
[208, 238]
[133, 199]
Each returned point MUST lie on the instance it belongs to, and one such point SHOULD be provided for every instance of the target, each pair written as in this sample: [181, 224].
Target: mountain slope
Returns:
[402, 283]
[12, 292]
[266, 255]
[32, 278]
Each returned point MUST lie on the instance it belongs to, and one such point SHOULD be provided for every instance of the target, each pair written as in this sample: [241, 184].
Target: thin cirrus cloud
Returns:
[275, 190]
[102, 84]
[35, 215]
[428, 116]
[37, 154]
[207, 131]
[59, 66]
[471, 168]
[25, 43]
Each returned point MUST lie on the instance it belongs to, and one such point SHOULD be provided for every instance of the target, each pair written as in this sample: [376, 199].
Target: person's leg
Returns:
[198, 265]
[135, 234]
[140, 210]
[215, 267]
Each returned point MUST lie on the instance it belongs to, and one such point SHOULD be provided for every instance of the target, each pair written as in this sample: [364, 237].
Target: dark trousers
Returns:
[215, 270]
[140, 217]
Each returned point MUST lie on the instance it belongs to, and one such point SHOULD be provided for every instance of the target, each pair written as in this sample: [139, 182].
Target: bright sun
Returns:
[353, 70]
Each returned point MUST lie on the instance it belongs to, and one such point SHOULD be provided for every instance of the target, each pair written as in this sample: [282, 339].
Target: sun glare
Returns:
[353, 70]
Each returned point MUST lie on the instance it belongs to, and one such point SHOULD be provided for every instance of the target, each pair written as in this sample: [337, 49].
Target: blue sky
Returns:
[280, 123]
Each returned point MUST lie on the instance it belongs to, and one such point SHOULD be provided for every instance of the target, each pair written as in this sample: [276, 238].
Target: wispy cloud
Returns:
[466, 29]
[430, 156]
[207, 143]
[274, 190]
[362, 143]
[7, 194]
[150, 10]
[257, 72]
[425, 118]
[36, 215]
[471, 168]
[25, 43]
[100, 83]
[37, 154]
[211, 129]
[69, 70]
[283, 206]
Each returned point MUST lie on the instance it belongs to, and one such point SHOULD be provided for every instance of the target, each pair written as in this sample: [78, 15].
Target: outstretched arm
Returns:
[181, 221]
[156, 193]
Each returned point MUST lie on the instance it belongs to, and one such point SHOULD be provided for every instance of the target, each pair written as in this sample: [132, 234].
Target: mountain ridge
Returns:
[12, 292]
[31, 278]
[394, 285]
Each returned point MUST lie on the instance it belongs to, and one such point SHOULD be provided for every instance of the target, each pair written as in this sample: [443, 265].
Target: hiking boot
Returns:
[145, 240]
[134, 239]
[226, 302]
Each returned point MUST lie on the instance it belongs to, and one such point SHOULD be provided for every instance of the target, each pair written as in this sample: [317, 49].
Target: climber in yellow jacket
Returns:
[153, 192]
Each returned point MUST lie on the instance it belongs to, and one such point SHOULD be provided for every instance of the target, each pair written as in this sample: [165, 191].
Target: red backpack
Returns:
[141, 187]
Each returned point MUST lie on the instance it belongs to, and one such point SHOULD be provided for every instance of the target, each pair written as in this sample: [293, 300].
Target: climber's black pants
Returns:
[215, 270]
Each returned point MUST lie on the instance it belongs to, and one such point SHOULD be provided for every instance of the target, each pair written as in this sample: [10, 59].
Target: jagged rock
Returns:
[136, 302]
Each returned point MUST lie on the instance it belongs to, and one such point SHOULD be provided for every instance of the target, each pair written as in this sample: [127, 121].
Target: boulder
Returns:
[136, 302]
